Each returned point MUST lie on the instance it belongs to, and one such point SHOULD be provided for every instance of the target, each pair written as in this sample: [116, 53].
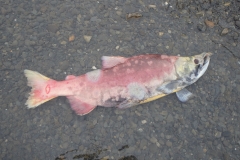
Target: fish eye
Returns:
[196, 61]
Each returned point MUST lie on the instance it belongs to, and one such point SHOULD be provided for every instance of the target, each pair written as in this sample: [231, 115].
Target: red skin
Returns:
[148, 71]
[123, 82]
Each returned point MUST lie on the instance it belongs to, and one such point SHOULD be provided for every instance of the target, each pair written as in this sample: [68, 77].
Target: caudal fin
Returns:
[40, 92]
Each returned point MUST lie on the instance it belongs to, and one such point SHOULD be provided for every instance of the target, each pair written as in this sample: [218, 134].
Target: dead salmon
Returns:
[122, 82]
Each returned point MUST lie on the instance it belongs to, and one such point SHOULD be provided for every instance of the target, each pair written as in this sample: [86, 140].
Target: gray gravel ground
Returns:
[35, 35]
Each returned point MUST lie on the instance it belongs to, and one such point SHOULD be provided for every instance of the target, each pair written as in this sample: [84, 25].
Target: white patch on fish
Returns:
[96, 93]
[129, 70]
[150, 63]
[136, 90]
[94, 76]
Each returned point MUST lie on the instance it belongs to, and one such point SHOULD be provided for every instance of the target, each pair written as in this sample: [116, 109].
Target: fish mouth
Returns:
[206, 58]
[201, 68]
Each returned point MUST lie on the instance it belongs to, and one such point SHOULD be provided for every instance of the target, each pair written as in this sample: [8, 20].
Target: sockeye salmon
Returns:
[122, 82]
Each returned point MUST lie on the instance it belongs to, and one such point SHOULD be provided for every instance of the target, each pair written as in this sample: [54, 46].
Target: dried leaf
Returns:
[133, 15]
[71, 38]
[151, 6]
[227, 4]
[209, 23]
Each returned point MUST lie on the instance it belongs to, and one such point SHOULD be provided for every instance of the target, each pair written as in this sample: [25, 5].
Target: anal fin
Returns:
[81, 108]
[184, 95]
[127, 104]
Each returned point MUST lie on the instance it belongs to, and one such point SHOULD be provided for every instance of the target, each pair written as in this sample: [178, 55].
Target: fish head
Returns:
[190, 69]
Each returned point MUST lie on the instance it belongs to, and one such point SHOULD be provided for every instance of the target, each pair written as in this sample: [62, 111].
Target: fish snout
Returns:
[206, 57]
[202, 58]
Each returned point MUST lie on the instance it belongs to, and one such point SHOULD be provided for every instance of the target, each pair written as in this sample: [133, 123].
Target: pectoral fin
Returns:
[127, 104]
[81, 108]
[168, 87]
[184, 95]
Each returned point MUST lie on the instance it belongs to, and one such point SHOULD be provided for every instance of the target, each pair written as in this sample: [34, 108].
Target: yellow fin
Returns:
[39, 84]
[152, 98]
[157, 97]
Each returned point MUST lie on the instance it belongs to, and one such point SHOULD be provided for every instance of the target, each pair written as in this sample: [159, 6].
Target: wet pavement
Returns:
[58, 38]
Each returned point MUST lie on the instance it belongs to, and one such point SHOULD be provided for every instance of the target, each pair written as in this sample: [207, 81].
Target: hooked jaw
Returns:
[206, 57]
[202, 62]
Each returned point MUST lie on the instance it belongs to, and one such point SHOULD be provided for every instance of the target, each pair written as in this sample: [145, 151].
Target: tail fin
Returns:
[40, 92]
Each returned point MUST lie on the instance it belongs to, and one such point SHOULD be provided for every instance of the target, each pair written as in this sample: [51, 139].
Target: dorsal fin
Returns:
[70, 77]
[108, 61]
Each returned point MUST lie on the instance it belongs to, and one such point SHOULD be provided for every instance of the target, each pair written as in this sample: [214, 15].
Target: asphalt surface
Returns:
[58, 38]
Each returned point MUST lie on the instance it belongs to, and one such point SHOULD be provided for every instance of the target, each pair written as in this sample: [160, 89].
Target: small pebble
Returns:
[160, 34]
[218, 134]
[63, 42]
[224, 31]
[144, 121]
[87, 38]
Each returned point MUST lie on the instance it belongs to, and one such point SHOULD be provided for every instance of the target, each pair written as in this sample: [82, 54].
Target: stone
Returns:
[87, 38]
[153, 140]
[201, 27]
[218, 134]
[144, 121]
[63, 42]
[224, 31]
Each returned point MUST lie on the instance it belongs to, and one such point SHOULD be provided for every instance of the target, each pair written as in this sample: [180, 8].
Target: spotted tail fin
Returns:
[40, 92]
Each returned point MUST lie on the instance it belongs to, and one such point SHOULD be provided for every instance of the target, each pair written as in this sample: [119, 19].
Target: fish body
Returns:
[122, 82]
